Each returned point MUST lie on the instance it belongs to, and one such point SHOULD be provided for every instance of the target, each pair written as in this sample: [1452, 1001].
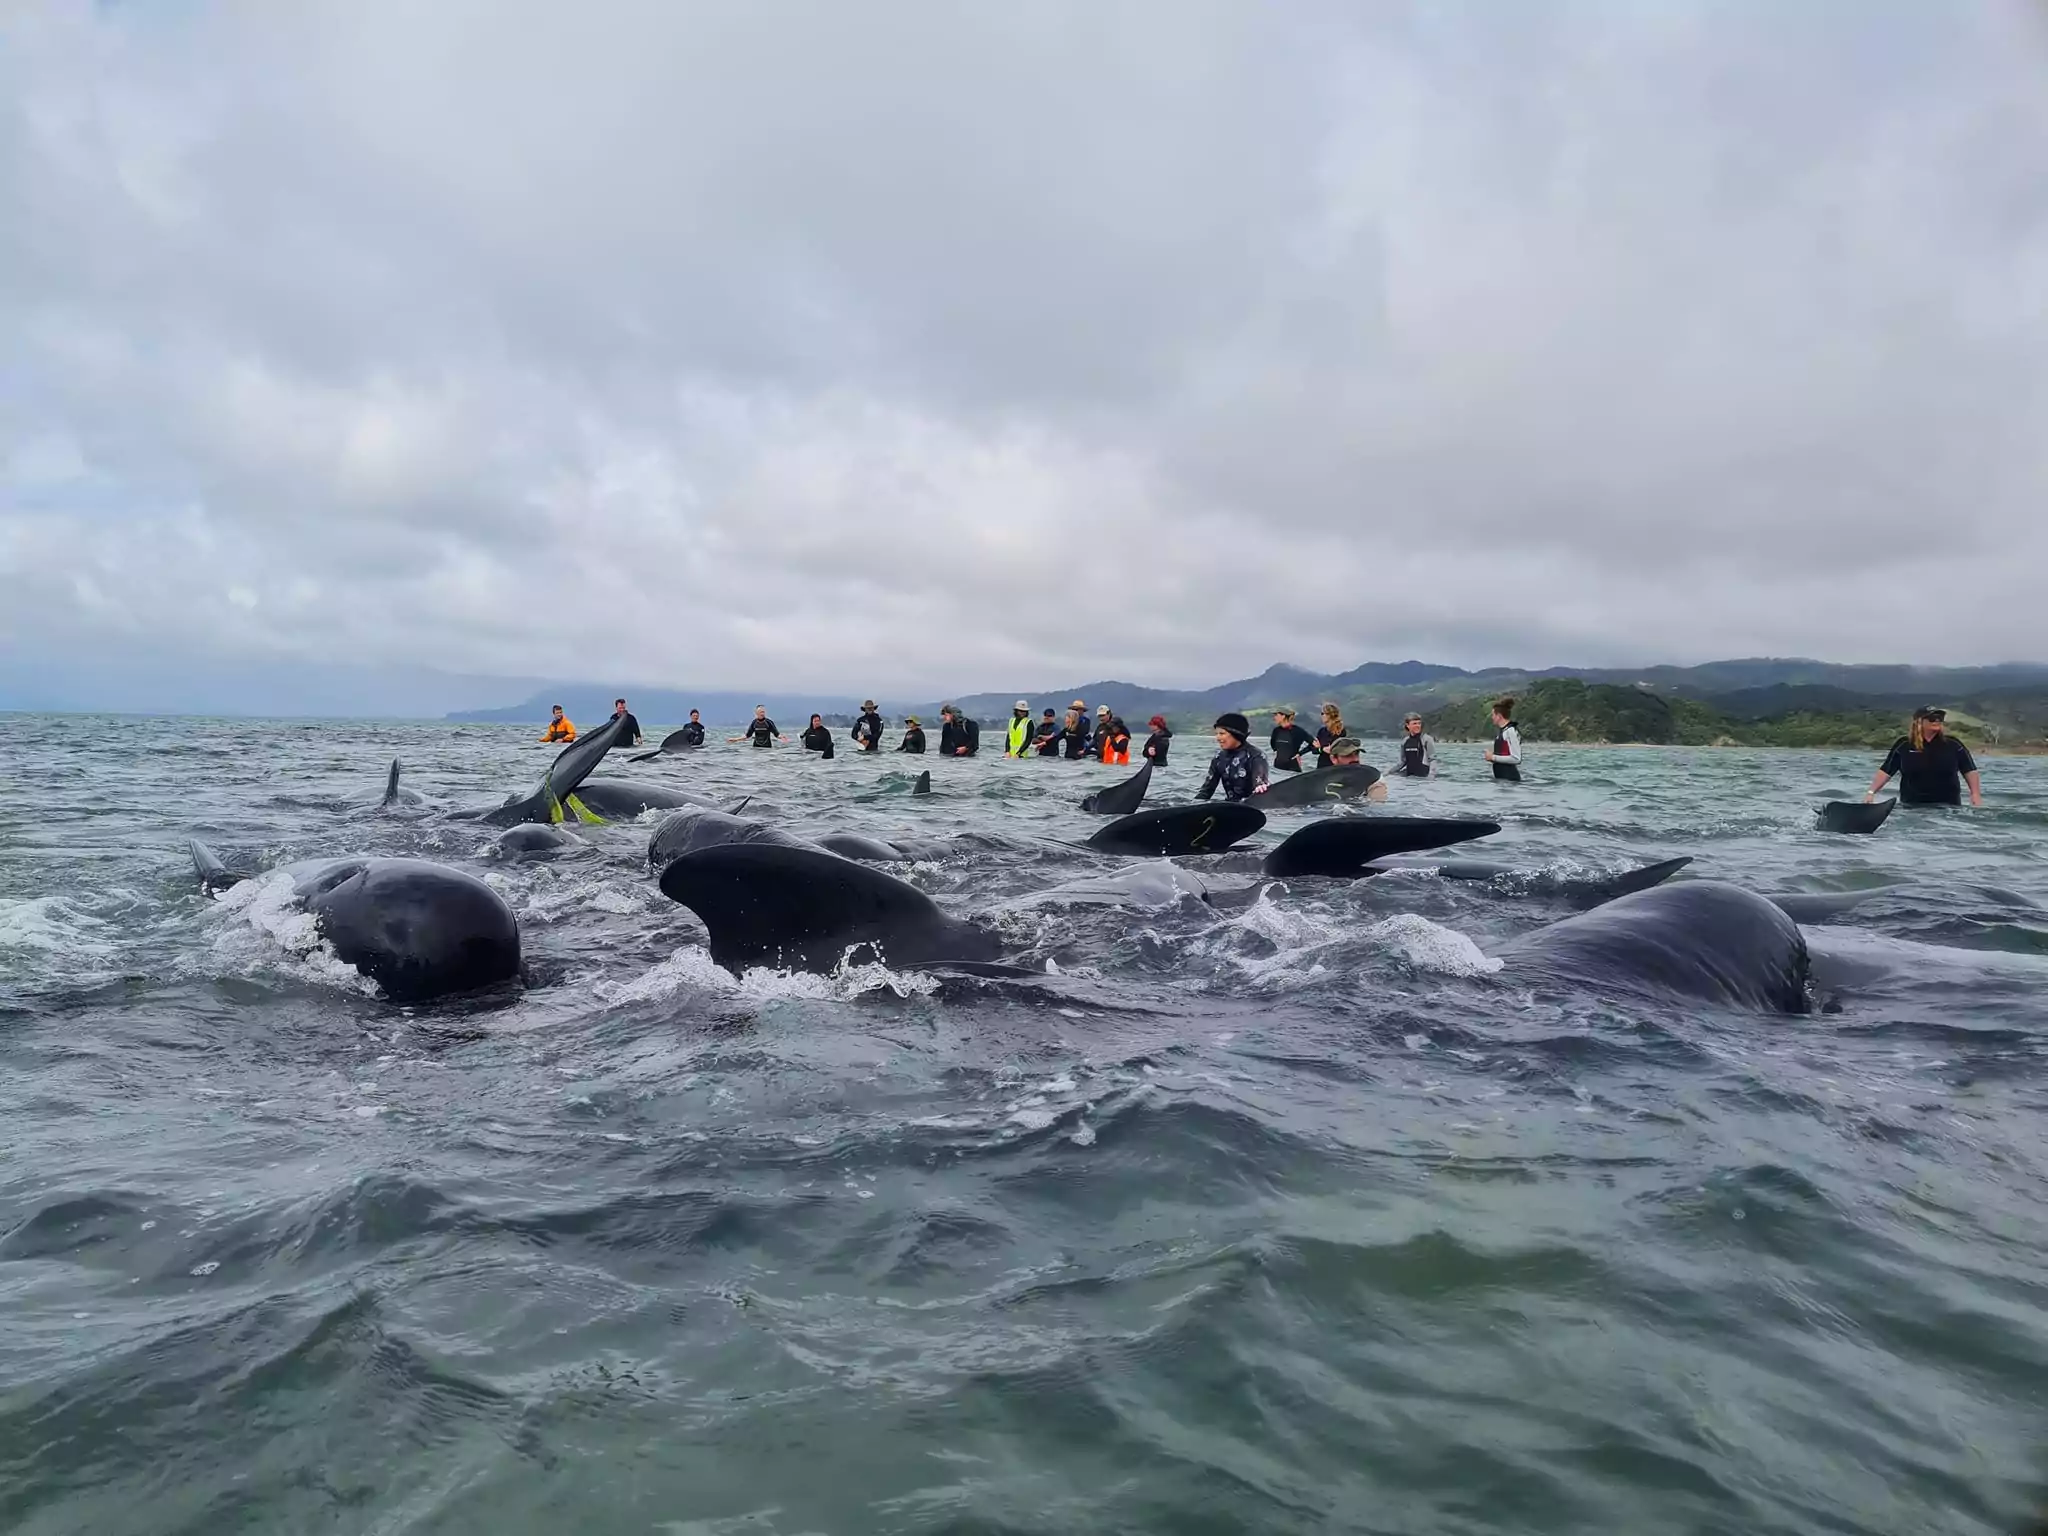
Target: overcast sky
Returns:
[929, 347]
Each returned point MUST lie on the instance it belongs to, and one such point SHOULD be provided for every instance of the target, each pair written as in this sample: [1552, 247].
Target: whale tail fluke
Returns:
[1853, 815]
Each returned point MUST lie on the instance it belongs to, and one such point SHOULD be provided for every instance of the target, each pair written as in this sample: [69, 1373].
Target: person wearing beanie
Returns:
[913, 735]
[1239, 769]
[1157, 743]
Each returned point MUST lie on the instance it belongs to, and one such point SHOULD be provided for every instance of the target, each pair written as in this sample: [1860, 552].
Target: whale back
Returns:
[1181, 829]
[1702, 939]
[1344, 845]
[806, 909]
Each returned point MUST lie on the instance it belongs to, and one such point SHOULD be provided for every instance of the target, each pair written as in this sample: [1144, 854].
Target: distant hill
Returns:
[1789, 701]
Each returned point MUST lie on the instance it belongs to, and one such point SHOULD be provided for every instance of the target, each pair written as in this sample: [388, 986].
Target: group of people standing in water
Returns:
[1931, 766]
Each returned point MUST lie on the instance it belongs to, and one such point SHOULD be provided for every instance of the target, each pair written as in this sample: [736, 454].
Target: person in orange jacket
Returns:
[561, 728]
[1112, 738]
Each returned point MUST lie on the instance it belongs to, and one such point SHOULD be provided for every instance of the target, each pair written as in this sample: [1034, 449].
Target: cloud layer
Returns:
[920, 347]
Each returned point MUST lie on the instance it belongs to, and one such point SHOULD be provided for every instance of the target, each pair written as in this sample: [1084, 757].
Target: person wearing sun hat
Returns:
[1239, 769]
[1017, 743]
[867, 730]
[913, 735]
[1931, 764]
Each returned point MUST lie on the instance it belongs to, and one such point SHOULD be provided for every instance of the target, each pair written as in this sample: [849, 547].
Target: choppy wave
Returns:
[1284, 1212]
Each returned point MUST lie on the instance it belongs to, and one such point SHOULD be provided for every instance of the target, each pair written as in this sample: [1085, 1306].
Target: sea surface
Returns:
[1292, 1214]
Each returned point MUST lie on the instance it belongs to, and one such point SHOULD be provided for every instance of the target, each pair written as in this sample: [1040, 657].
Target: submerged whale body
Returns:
[876, 850]
[1702, 939]
[623, 799]
[419, 930]
[1120, 799]
[1344, 845]
[805, 909]
[532, 841]
[394, 795]
[1853, 815]
[1581, 892]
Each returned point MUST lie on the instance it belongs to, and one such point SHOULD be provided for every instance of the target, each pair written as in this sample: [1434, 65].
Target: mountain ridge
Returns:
[2011, 697]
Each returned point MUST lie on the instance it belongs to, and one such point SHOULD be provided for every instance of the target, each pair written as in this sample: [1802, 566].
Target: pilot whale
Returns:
[420, 930]
[804, 908]
[575, 763]
[1703, 939]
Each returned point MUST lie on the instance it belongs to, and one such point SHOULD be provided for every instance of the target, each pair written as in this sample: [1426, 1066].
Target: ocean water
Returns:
[1287, 1214]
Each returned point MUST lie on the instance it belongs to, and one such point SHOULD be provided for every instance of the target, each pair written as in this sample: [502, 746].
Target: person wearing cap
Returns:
[1289, 741]
[1112, 739]
[1158, 742]
[1932, 766]
[1047, 741]
[1343, 753]
[960, 736]
[1418, 749]
[1239, 769]
[1019, 738]
[867, 730]
[913, 735]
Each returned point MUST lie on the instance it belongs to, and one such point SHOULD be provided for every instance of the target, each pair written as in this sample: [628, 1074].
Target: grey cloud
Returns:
[927, 347]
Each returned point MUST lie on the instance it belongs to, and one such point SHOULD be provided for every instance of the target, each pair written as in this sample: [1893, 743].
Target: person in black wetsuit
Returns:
[1931, 764]
[1506, 752]
[913, 735]
[1158, 743]
[693, 733]
[761, 730]
[1047, 742]
[817, 739]
[629, 733]
[1076, 737]
[867, 730]
[1418, 750]
[1240, 768]
[960, 736]
[1289, 741]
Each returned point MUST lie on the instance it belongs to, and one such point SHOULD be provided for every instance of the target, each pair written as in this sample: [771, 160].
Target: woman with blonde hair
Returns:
[1931, 764]
[1330, 730]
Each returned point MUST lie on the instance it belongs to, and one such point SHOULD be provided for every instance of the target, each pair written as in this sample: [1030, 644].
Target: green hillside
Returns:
[1569, 710]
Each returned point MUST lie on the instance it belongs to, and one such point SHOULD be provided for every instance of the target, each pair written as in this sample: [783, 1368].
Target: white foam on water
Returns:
[693, 970]
[1430, 946]
[52, 925]
[263, 925]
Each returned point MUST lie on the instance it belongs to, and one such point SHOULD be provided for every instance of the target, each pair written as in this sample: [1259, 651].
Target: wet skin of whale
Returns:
[420, 930]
